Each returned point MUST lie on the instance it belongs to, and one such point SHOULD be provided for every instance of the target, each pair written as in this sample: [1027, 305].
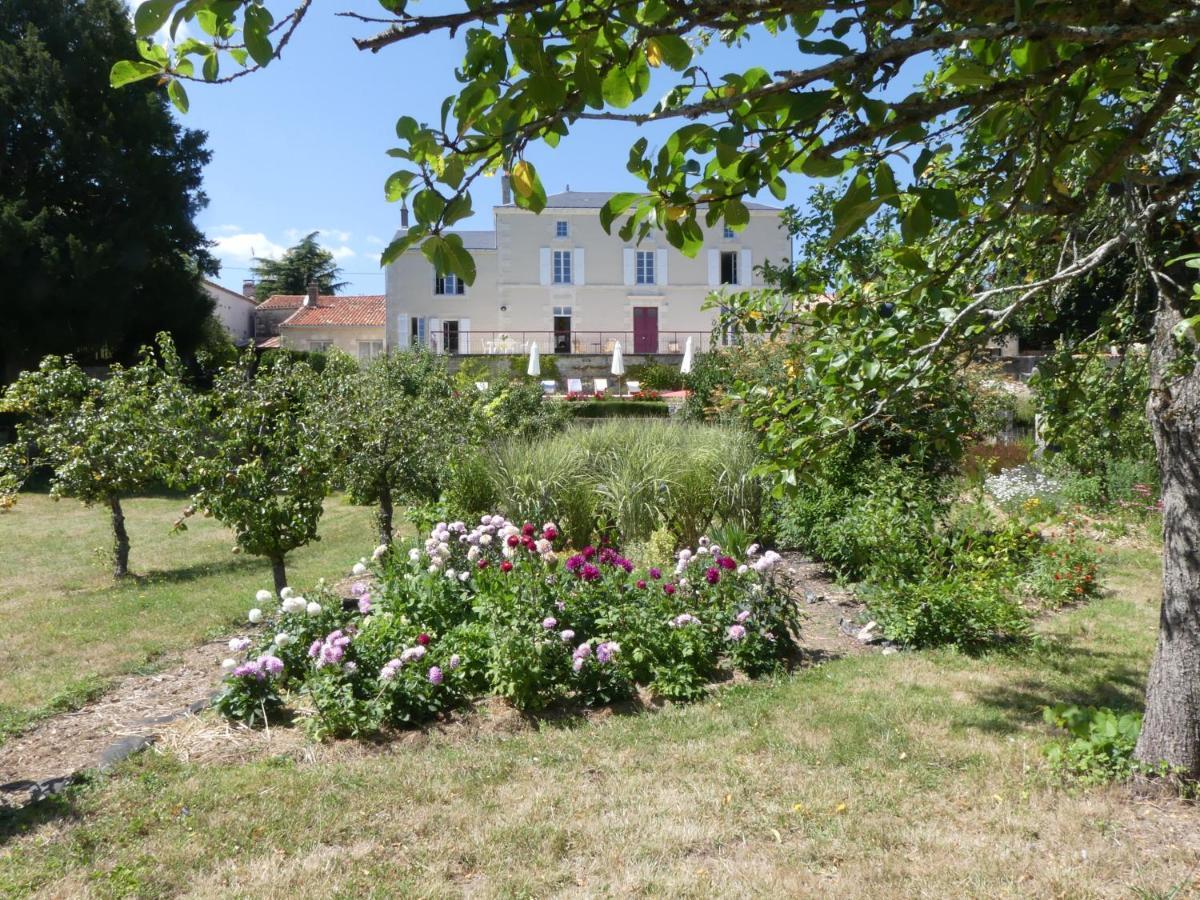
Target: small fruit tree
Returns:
[265, 459]
[103, 439]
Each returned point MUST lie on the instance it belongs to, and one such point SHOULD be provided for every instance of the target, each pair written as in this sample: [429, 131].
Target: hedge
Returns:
[619, 409]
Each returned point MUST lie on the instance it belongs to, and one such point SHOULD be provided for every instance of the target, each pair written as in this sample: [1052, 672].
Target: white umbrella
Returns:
[686, 366]
[535, 361]
[618, 364]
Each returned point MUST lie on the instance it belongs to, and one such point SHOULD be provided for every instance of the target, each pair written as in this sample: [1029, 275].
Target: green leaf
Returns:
[255, 30]
[151, 15]
[428, 206]
[407, 128]
[916, 222]
[127, 71]
[459, 258]
[736, 214]
[177, 94]
[397, 184]
[672, 50]
[616, 205]
[616, 89]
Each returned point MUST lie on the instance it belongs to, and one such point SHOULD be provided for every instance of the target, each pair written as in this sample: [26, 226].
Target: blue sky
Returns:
[301, 146]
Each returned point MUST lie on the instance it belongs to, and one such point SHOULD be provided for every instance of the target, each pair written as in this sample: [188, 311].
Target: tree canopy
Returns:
[98, 190]
[304, 263]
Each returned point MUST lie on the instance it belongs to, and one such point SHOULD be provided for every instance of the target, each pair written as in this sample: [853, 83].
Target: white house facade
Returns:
[234, 311]
[559, 279]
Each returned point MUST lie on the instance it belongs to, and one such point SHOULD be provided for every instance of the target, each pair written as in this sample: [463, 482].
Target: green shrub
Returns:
[970, 613]
[519, 365]
[618, 409]
[1101, 743]
[655, 376]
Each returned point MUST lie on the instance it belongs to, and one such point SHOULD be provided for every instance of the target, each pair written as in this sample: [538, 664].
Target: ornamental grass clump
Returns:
[510, 610]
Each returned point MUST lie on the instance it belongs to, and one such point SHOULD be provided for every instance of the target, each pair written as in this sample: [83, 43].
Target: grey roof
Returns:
[478, 240]
[596, 199]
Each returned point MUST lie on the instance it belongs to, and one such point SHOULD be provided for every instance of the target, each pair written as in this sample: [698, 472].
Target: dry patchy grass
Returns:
[916, 775]
[69, 627]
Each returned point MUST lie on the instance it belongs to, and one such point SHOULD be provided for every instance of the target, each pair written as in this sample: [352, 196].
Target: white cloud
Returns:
[376, 241]
[342, 252]
[244, 246]
[326, 234]
[228, 229]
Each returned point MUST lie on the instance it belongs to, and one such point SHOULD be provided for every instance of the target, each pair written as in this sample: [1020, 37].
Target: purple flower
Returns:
[435, 675]
[358, 589]
[606, 651]
[575, 563]
[364, 604]
[656, 573]
[743, 616]
[736, 632]
[559, 605]
[251, 669]
[578, 663]
[727, 562]
[641, 584]
[589, 551]
[549, 623]
[684, 619]
[712, 575]
[272, 665]
[315, 648]
[455, 661]
[583, 651]
[567, 635]
[669, 589]
[388, 672]
[590, 572]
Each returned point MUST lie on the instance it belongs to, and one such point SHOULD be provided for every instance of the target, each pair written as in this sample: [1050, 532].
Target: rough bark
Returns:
[1171, 728]
[385, 516]
[120, 539]
[279, 573]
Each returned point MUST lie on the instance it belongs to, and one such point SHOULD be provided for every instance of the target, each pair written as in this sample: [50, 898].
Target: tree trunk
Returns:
[279, 573]
[120, 539]
[385, 516]
[1171, 728]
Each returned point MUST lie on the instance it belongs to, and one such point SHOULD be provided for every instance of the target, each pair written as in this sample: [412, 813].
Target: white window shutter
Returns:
[629, 260]
[544, 265]
[714, 268]
[579, 276]
[403, 332]
[660, 266]
[464, 335]
[433, 337]
[745, 271]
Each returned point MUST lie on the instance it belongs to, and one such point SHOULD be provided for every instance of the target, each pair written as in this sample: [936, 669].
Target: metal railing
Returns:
[564, 342]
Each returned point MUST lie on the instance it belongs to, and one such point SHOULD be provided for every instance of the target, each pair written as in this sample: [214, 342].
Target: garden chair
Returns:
[599, 384]
[574, 385]
[482, 386]
[633, 386]
[548, 387]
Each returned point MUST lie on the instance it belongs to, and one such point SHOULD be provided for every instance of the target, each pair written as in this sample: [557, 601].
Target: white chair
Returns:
[633, 386]
[599, 384]
[482, 386]
[575, 385]
[548, 387]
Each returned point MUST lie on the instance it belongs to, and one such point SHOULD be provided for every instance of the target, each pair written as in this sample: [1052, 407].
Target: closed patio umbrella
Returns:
[686, 366]
[535, 362]
[618, 365]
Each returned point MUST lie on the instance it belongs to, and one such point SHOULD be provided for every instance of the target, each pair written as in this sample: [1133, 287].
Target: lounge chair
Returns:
[574, 385]
[548, 387]
[599, 384]
[633, 386]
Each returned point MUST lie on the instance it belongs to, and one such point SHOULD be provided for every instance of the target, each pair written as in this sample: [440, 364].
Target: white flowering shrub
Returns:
[497, 608]
[1022, 483]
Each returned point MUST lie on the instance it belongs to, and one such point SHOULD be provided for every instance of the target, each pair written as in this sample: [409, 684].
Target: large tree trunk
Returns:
[385, 516]
[279, 573]
[120, 539]
[1171, 728]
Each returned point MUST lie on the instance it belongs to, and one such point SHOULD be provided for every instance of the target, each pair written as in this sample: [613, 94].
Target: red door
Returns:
[645, 329]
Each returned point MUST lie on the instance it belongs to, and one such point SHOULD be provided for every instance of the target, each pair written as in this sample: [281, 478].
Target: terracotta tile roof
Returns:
[358, 309]
[268, 343]
[284, 301]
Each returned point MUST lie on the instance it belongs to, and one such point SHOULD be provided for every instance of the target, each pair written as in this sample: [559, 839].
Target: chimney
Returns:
[505, 189]
[404, 215]
[311, 299]
[249, 289]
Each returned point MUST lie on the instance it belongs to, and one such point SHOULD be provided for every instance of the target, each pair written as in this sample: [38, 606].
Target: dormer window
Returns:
[560, 228]
[728, 233]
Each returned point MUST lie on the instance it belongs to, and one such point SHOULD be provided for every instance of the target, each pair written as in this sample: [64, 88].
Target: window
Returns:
[417, 331]
[644, 267]
[728, 233]
[560, 228]
[729, 267]
[368, 350]
[320, 346]
[561, 273]
[448, 284]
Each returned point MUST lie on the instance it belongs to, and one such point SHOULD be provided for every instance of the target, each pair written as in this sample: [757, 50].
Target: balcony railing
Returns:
[565, 342]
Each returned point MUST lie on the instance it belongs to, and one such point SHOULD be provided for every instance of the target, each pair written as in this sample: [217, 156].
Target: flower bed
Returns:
[500, 609]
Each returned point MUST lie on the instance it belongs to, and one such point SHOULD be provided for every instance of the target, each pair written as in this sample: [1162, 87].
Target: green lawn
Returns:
[878, 776]
[69, 627]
